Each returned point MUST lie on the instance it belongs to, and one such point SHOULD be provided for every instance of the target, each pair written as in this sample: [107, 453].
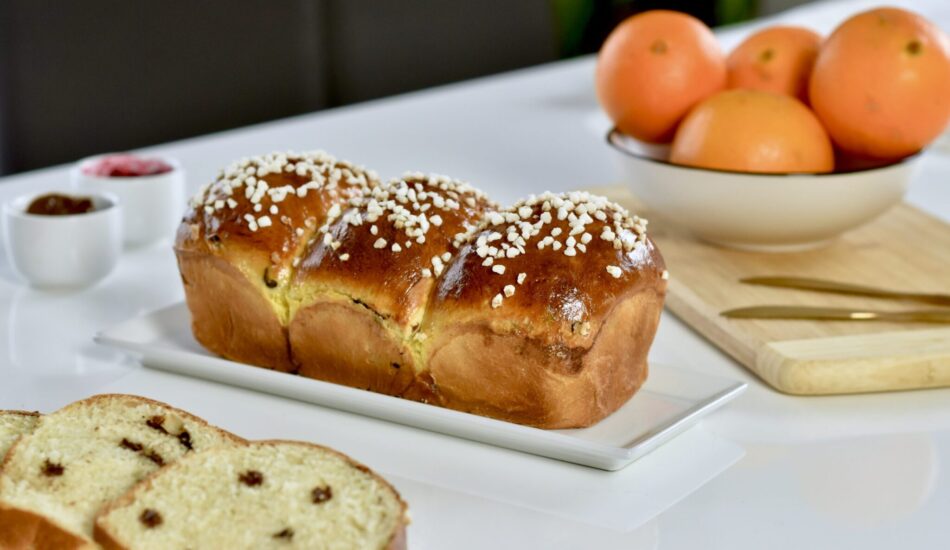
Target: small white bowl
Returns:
[760, 212]
[152, 204]
[70, 251]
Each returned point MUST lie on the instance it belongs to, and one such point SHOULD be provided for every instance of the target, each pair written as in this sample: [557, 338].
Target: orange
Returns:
[653, 68]
[753, 131]
[777, 59]
[881, 83]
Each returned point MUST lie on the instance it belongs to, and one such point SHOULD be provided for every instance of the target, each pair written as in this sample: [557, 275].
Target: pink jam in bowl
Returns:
[124, 165]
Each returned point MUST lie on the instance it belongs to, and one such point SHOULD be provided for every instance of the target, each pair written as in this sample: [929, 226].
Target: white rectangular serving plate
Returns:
[671, 400]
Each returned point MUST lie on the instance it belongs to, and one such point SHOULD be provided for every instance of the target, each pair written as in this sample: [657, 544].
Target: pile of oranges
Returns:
[785, 100]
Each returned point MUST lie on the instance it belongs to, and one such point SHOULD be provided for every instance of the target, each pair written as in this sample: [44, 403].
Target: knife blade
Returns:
[836, 314]
[834, 287]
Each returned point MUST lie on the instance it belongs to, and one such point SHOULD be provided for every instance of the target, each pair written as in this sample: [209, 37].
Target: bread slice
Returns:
[13, 424]
[54, 480]
[267, 494]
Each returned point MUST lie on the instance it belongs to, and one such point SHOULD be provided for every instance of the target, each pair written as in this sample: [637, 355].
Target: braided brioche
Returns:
[422, 287]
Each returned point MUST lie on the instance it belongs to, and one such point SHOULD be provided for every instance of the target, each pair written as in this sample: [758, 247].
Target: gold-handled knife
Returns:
[837, 314]
[820, 285]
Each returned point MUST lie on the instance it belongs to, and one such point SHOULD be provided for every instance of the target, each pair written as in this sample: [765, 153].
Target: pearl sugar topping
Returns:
[247, 178]
[538, 223]
[412, 205]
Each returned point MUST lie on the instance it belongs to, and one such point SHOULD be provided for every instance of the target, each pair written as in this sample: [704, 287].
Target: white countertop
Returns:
[866, 471]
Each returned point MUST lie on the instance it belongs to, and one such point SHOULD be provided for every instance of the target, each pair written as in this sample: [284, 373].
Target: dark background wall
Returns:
[89, 76]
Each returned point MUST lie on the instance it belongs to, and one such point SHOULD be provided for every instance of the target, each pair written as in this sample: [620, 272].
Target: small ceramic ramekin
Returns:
[65, 251]
[152, 204]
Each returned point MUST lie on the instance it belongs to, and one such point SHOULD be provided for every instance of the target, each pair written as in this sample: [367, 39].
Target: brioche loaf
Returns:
[55, 479]
[13, 424]
[238, 242]
[269, 494]
[541, 313]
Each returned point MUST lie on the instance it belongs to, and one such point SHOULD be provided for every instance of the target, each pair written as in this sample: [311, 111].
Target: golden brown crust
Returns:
[25, 530]
[348, 343]
[392, 247]
[532, 381]
[105, 539]
[301, 199]
[361, 291]
[19, 413]
[391, 284]
[138, 399]
[230, 315]
[558, 338]
[397, 542]
[555, 297]
[238, 244]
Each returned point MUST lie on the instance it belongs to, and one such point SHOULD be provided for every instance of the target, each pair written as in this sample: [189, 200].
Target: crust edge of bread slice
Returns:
[105, 538]
[27, 530]
[22, 528]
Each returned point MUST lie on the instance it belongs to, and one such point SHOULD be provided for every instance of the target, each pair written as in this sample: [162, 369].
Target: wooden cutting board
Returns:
[905, 249]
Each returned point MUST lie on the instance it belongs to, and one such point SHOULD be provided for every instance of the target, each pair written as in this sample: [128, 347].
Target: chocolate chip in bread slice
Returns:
[13, 424]
[267, 494]
[77, 459]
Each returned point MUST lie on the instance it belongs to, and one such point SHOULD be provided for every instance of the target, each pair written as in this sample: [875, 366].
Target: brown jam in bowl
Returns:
[55, 204]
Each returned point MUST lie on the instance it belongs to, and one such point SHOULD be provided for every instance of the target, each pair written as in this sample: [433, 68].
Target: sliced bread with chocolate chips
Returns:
[267, 494]
[55, 479]
[13, 424]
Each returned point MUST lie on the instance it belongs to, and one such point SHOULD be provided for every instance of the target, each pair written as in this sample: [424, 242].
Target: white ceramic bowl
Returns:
[762, 212]
[152, 205]
[71, 251]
